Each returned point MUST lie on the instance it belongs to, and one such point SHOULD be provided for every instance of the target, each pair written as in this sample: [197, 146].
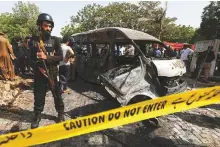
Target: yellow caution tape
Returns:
[112, 118]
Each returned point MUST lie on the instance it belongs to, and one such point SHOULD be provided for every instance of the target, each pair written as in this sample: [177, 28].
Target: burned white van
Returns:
[132, 66]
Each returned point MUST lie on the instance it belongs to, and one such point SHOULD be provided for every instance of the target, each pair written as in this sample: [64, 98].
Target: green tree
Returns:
[147, 16]
[21, 22]
[25, 15]
[85, 17]
[68, 30]
[181, 33]
[208, 26]
[6, 21]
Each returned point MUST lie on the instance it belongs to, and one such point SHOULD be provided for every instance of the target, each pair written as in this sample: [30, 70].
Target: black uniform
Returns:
[52, 46]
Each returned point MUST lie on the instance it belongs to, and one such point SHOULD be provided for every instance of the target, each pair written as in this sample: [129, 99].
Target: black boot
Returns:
[60, 117]
[36, 121]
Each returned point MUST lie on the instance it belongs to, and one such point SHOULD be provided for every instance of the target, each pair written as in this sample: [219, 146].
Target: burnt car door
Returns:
[81, 59]
[96, 63]
[121, 80]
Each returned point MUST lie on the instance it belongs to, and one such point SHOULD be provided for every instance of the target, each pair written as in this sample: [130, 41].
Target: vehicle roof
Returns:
[121, 33]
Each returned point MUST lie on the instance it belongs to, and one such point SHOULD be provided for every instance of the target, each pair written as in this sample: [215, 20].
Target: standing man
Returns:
[50, 52]
[27, 54]
[185, 58]
[129, 51]
[21, 60]
[64, 69]
[207, 62]
[6, 57]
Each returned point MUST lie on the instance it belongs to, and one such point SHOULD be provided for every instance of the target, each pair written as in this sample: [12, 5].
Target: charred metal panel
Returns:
[131, 82]
[100, 34]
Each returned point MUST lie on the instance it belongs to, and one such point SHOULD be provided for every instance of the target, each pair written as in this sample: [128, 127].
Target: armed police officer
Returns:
[46, 54]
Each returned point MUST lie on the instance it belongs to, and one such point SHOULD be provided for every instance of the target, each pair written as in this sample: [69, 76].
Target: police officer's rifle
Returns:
[45, 70]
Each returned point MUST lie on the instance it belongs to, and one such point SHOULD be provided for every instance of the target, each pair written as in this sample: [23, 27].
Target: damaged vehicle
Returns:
[132, 65]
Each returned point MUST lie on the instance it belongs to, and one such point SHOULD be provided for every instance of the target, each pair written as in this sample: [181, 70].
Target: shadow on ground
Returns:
[200, 120]
[21, 115]
[80, 86]
[215, 106]
[101, 106]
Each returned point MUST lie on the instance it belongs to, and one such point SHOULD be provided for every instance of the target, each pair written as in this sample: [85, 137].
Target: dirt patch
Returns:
[10, 90]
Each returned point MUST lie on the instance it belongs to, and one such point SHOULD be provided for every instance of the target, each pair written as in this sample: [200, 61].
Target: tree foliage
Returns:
[147, 16]
[21, 22]
[208, 26]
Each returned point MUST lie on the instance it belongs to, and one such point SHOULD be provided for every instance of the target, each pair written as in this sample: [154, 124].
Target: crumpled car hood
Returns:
[170, 68]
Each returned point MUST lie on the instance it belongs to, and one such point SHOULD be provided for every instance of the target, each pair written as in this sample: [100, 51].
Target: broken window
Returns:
[85, 50]
[102, 50]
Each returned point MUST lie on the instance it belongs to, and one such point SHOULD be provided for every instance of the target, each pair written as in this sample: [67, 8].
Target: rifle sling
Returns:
[45, 52]
[51, 80]
[42, 45]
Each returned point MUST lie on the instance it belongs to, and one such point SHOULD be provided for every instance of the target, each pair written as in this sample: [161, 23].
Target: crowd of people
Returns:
[16, 59]
[203, 62]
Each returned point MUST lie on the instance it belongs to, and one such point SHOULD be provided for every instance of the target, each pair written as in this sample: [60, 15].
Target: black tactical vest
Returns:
[49, 46]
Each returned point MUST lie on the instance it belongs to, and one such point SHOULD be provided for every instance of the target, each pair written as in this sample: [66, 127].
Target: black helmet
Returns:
[44, 17]
[71, 40]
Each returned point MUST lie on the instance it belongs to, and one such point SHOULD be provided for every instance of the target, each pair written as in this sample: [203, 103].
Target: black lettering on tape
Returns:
[79, 124]
[65, 125]
[150, 107]
[117, 115]
[158, 106]
[22, 134]
[206, 94]
[30, 135]
[216, 92]
[155, 105]
[114, 115]
[89, 122]
[138, 110]
[132, 112]
[8, 138]
[110, 116]
[102, 119]
[188, 101]
[126, 113]
[4, 141]
[144, 109]
[201, 96]
[177, 101]
[85, 123]
[72, 125]
[94, 120]
[163, 104]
